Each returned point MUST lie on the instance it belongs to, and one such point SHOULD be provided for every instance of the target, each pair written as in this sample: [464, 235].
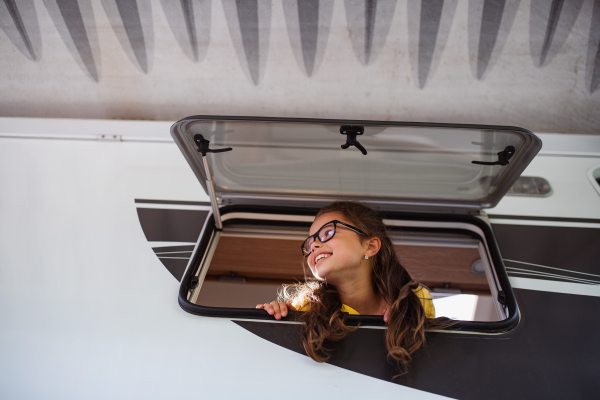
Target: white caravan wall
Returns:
[88, 311]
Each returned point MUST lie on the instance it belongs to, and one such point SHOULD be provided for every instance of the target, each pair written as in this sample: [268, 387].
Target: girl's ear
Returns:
[373, 246]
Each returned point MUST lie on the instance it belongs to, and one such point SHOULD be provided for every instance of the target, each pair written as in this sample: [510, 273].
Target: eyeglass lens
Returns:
[325, 233]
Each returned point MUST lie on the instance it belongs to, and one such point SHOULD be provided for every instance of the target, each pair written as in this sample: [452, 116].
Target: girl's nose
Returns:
[315, 245]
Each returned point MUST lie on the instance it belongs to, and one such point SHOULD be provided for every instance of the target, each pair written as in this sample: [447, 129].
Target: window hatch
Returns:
[301, 159]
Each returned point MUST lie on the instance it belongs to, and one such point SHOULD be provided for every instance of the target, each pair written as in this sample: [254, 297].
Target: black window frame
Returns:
[503, 326]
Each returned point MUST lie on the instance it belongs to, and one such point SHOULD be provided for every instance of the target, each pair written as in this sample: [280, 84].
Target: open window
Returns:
[271, 176]
[255, 253]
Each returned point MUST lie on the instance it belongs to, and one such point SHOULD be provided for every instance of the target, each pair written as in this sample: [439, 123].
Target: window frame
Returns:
[192, 280]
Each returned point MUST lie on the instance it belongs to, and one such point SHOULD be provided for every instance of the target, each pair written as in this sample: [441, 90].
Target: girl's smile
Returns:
[320, 256]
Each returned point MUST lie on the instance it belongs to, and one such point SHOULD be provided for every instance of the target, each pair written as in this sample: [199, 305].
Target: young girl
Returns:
[356, 271]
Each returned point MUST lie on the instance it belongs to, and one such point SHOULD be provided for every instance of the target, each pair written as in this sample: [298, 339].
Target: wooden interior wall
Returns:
[269, 260]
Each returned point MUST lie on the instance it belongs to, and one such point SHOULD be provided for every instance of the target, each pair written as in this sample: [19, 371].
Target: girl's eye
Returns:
[328, 233]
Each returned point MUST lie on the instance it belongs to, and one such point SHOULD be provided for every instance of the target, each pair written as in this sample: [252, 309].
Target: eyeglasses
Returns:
[325, 233]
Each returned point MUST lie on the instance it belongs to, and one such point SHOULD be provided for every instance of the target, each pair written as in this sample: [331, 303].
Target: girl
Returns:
[356, 271]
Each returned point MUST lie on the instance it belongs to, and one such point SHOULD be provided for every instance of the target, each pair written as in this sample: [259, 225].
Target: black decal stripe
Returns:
[183, 203]
[185, 254]
[164, 225]
[572, 249]
[529, 362]
[164, 249]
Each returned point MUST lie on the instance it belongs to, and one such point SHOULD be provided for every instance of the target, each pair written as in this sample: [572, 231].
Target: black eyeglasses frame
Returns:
[335, 222]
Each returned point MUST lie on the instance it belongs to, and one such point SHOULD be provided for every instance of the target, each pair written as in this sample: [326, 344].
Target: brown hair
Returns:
[324, 320]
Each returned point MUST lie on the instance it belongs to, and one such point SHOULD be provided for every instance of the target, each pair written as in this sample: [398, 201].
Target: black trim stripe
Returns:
[187, 248]
[182, 203]
[555, 219]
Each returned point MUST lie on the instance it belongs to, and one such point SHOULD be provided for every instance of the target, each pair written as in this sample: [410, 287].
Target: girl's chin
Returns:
[316, 275]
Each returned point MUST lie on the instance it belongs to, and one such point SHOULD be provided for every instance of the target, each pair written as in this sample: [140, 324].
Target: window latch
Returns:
[503, 157]
[203, 145]
[351, 132]
[502, 297]
[194, 282]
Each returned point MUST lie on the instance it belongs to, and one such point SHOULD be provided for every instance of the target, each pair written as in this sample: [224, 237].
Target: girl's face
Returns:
[339, 257]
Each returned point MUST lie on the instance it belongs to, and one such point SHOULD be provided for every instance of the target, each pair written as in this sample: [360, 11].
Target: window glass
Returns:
[402, 162]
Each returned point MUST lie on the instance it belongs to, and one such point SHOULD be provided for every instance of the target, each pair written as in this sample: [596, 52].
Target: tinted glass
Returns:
[403, 162]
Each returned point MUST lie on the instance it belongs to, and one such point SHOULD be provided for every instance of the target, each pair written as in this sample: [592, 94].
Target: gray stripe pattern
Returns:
[131, 21]
[593, 51]
[549, 26]
[490, 23]
[249, 25]
[429, 24]
[369, 23]
[75, 23]
[20, 24]
[190, 22]
[308, 23]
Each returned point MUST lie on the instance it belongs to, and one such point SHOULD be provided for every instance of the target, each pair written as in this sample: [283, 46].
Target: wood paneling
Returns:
[258, 258]
[278, 259]
[439, 267]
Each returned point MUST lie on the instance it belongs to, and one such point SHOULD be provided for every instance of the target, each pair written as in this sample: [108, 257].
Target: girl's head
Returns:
[338, 250]
[360, 245]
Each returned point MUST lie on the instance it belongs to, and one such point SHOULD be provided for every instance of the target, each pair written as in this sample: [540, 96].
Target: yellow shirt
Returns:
[421, 292]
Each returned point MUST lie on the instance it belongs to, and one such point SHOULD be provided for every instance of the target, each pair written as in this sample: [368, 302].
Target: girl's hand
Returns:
[386, 315]
[277, 309]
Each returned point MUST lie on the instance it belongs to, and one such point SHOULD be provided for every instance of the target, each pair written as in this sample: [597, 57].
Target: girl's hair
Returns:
[324, 320]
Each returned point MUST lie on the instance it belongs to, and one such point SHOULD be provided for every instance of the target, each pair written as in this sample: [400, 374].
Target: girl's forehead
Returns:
[325, 218]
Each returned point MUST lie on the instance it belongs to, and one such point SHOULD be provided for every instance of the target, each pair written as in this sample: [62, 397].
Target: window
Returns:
[255, 253]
